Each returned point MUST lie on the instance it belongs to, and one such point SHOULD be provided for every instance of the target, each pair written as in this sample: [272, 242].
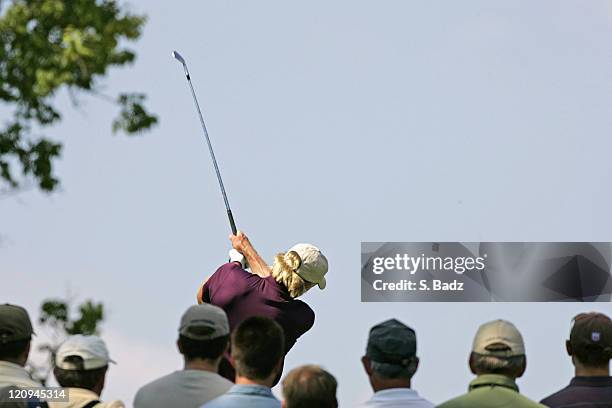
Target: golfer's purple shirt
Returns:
[243, 294]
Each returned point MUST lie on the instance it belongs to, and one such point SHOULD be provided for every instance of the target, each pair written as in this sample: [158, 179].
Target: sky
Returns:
[333, 123]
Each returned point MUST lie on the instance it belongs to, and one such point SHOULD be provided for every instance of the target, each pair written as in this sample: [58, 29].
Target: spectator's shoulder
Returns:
[553, 399]
[526, 402]
[457, 402]
[149, 389]
[214, 403]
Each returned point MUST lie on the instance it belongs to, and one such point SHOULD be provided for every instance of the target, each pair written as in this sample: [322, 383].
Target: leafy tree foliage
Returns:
[56, 319]
[49, 45]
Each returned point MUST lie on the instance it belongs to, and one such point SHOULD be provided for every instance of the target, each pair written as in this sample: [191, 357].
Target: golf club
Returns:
[179, 58]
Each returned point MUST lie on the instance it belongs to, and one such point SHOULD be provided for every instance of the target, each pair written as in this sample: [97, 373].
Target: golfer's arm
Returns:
[200, 294]
[256, 263]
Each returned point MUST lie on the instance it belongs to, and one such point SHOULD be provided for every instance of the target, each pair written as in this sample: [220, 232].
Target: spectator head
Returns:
[590, 342]
[82, 362]
[15, 334]
[309, 386]
[300, 268]
[390, 359]
[258, 348]
[203, 333]
[498, 349]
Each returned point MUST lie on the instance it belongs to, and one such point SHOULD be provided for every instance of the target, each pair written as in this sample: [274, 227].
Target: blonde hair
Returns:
[284, 270]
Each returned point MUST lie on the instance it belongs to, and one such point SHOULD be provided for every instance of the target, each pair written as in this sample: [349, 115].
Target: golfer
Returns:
[264, 291]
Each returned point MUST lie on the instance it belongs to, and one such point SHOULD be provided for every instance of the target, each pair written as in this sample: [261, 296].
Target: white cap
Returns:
[91, 349]
[502, 333]
[314, 264]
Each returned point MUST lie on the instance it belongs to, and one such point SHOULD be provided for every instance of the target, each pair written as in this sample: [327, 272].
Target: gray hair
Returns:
[392, 371]
[506, 365]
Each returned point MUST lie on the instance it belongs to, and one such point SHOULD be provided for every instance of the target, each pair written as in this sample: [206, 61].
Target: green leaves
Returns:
[55, 314]
[133, 117]
[48, 45]
[35, 158]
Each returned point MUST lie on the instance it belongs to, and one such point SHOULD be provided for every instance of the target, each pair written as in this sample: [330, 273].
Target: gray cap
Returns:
[391, 342]
[15, 324]
[204, 322]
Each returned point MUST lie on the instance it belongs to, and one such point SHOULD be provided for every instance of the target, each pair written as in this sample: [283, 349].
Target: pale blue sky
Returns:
[333, 123]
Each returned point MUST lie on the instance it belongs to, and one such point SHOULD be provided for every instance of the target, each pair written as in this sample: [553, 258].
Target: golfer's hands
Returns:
[240, 242]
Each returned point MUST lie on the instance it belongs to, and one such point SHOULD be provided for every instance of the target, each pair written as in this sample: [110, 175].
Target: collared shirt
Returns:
[241, 395]
[184, 388]
[242, 294]
[583, 392]
[397, 398]
[79, 397]
[492, 391]
[14, 374]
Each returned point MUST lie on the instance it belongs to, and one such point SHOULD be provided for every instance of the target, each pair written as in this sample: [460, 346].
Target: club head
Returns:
[178, 57]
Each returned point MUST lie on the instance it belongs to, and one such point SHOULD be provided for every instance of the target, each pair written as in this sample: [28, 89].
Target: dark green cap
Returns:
[391, 342]
[15, 324]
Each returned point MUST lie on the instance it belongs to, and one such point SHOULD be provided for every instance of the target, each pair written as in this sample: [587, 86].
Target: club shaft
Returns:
[212, 155]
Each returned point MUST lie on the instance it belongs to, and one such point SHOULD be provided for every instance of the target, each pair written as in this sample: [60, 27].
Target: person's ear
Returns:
[366, 365]
[568, 348]
[416, 363]
[26, 353]
[102, 380]
[279, 366]
[523, 368]
[471, 364]
[179, 346]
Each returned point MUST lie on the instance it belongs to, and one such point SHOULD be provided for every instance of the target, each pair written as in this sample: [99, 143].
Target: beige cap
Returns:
[314, 264]
[91, 349]
[498, 332]
[204, 322]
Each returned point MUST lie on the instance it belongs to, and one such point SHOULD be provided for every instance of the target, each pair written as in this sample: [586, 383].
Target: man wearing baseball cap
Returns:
[390, 363]
[81, 363]
[590, 348]
[497, 359]
[266, 291]
[15, 334]
[203, 337]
